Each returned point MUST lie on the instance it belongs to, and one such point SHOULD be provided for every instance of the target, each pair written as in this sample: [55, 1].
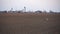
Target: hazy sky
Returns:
[47, 5]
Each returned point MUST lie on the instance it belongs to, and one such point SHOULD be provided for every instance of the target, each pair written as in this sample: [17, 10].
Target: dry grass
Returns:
[29, 23]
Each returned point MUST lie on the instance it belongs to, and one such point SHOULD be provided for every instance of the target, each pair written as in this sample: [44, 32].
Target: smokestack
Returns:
[24, 10]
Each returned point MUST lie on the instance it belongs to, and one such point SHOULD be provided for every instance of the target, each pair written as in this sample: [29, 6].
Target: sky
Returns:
[31, 5]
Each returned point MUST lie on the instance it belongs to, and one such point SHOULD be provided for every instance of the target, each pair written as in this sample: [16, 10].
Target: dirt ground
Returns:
[29, 23]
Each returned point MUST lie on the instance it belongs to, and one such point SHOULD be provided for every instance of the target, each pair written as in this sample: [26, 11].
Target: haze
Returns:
[32, 5]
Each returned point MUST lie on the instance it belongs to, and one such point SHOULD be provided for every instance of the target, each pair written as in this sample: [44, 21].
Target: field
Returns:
[29, 23]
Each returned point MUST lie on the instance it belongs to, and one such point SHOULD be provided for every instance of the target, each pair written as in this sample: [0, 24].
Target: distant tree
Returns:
[51, 11]
[5, 11]
[44, 11]
[19, 11]
[38, 11]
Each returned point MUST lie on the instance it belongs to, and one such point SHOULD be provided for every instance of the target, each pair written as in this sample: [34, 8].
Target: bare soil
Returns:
[29, 23]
